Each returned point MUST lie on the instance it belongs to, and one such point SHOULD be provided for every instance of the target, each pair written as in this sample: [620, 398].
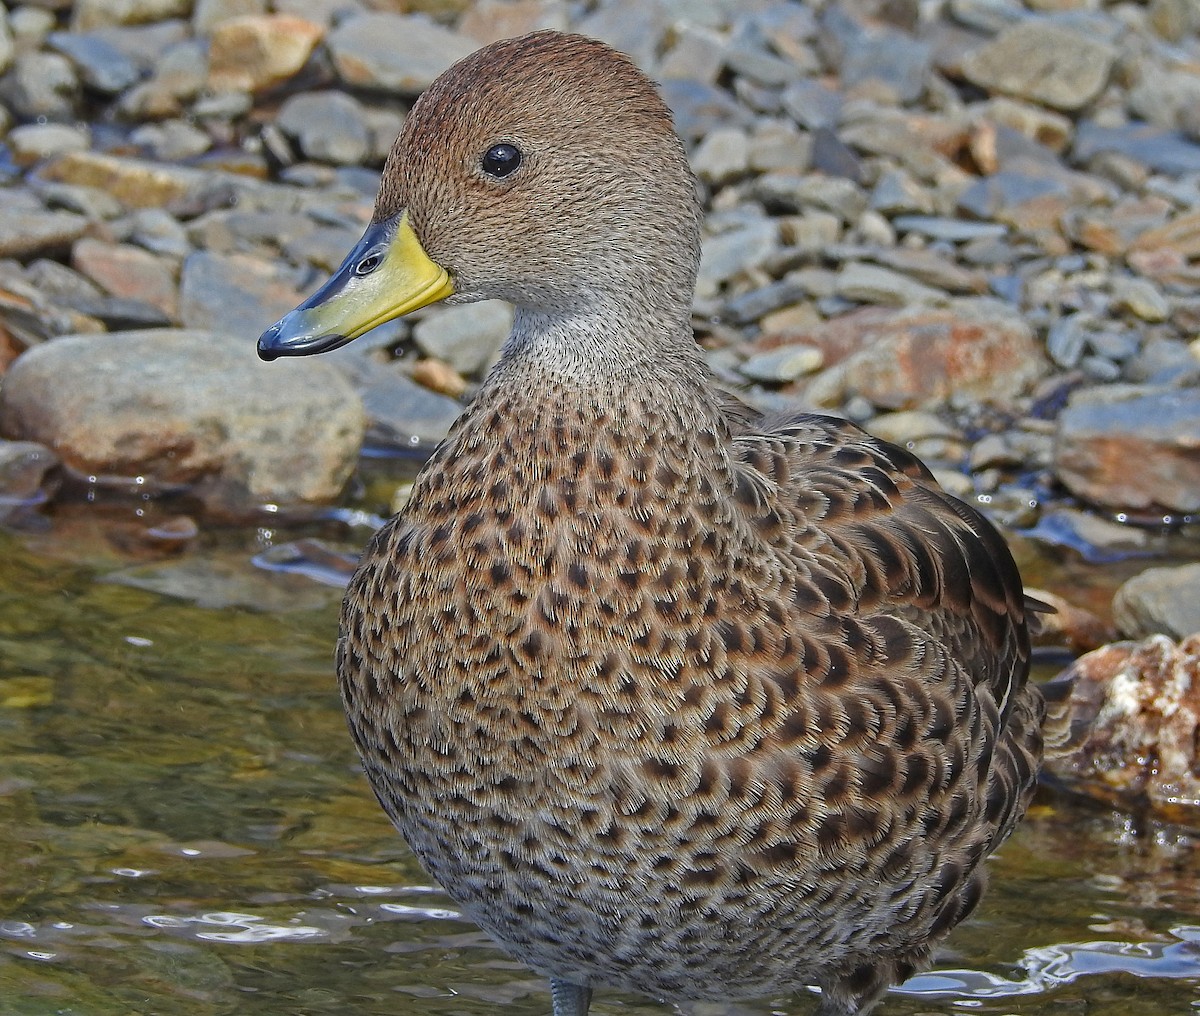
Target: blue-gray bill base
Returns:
[671, 697]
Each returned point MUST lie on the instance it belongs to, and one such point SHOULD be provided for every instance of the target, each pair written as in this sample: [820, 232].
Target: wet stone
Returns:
[236, 294]
[187, 408]
[404, 414]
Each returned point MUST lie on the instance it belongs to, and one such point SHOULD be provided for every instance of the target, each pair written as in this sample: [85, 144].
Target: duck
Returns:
[670, 696]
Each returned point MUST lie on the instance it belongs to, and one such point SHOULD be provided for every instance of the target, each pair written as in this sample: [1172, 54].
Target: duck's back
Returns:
[702, 706]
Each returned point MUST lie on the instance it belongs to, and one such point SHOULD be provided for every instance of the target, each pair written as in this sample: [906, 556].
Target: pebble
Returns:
[328, 126]
[31, 143]
[779, 366]
[1159, 601]
[236, 294]
[1042, 62]
[467, 337]
[393, 52]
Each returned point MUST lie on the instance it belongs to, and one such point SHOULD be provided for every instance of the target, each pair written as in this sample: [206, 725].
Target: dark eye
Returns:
[500, 160]
[368, 264]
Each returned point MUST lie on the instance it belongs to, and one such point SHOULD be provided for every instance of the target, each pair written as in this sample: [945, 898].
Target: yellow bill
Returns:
[387, 274]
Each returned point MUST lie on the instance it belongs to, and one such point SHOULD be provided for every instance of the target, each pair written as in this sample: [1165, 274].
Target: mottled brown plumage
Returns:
[669, 697]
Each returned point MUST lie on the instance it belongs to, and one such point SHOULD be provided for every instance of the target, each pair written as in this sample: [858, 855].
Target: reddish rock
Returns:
[1131, 447]
[902, 359]
[1136, 713]
[124, 270]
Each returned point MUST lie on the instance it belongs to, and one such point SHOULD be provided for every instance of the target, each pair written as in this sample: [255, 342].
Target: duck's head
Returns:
[543, 171]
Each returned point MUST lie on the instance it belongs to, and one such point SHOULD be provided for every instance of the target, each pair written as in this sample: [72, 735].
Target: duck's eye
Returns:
[368, 264]
[500, 160]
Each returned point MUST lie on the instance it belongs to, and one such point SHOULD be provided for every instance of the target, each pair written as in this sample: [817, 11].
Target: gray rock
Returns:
[207, 14]
[1131, 447]
[404, 414]
[739, 250]
[187, 408]
[779, 366]
[722, 156]
[749, 307]
[779, 146]
[1141, 298]
[1159, 600]
[990, 196]
[793, 192]
[988, 16]
[897, 193]
[393, 52]
[172, 141]
[697, 53]
[1067, 339]
[7, 46]
[872, 284]
[465, 337]
[941, 228]
[894, 58]
[101, 66]
[1043, 62]
[748, 53]
[26, 233]
[41, 86]
[235, 294]
[1161, 150]
[328, 127]
[811, 104]
[635, 27]
[699, 109]
[37, 141]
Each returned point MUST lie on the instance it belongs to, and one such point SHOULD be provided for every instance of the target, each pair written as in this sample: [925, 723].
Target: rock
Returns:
[7, 46]
[635, 28]
[34, 142]
[1131, 447]
[136, 183]
[23, 469]
[739, 250]
[393, 52]
[439, 377]
[779, 366]
[1160, 601]
[25, 233]
[699, 109]
[722, 156]
[492, 20]
[328, 127]
[254, 52]
[100, 65]
[1141, 298]
[872, 284]
[1042, 62]
[89, 14]
[1077, 629]
[697, 54]
[942, 228]
[893, 58]
[127, 271]
[41, 86]
[915, 357]
[793, 192]
[779, 146]
[1135, 710]
[1161, 150]
[208, 14]
[236, 294]
[403, 414]
[812, 104]
[466, 337]
[187, 408]
[172, 141]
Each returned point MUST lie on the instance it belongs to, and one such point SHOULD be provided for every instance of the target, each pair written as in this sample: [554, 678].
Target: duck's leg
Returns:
[570, 999]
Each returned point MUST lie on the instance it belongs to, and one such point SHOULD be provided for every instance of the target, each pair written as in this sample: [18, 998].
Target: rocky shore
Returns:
[972, 226]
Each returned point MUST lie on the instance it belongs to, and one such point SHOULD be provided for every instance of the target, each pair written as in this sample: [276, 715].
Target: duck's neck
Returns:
[600, 346]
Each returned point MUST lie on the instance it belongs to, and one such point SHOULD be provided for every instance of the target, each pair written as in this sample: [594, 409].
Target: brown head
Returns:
[542, 170]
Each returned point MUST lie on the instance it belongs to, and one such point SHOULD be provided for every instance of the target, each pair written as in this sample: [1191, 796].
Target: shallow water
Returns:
[184, 831]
